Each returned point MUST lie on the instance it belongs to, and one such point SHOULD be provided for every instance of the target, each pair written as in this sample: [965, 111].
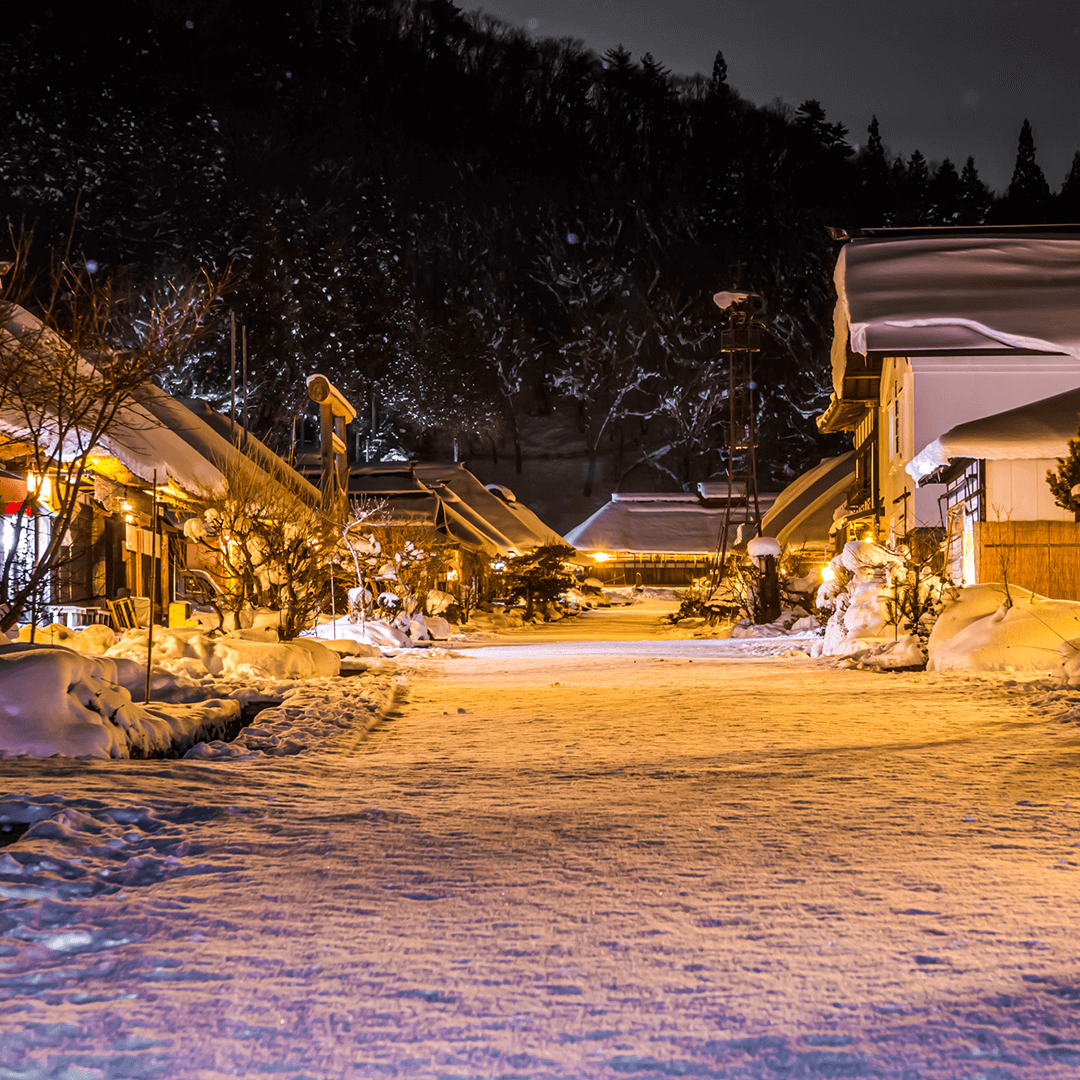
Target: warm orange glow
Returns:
[827, 573]
[39, 486]
[601, 557]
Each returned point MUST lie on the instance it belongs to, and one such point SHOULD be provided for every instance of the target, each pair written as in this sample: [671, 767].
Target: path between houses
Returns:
[561, 860]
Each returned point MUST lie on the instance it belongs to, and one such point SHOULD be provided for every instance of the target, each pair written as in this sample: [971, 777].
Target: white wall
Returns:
[1020, 490]
[938, 392]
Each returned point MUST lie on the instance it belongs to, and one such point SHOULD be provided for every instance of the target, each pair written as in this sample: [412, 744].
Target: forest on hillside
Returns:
[461, 226]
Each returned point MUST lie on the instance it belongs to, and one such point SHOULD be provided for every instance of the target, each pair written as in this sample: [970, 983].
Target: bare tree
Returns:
[69, 369]
[266, 546]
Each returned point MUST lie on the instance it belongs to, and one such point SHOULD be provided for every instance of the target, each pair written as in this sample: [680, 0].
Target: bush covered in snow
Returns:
[539, 577]
[264, 546]
[875, 595]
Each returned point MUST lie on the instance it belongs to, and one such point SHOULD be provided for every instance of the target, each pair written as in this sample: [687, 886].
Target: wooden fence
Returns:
[1043, 556]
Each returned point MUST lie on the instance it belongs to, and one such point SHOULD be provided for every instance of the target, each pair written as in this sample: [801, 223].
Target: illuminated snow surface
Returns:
[642, 858]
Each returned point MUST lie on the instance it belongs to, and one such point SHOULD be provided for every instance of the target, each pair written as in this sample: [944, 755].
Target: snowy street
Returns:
[572, 853]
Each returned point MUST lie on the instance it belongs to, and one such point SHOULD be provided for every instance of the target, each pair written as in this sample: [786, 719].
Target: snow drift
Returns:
[54, 700]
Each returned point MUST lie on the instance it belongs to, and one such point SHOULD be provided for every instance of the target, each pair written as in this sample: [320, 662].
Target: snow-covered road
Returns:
[672, 858]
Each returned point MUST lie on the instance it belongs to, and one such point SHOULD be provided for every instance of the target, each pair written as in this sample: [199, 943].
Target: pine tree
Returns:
[1069, 197]
[1028, 195]
[975, 197]
[1066, 477]
[913, 196]
[945, 194]
[718, 84]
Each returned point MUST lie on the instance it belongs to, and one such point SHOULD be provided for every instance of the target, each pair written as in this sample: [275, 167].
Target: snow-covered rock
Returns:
[439, 627]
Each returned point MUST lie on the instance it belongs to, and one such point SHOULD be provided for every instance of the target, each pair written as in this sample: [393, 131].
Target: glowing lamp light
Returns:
[39, 486]
[451, 575]
[129, 518]
[601, 557]
[827, 573]
[869, 538]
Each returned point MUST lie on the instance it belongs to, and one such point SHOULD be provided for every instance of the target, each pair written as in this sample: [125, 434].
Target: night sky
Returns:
[947, 77]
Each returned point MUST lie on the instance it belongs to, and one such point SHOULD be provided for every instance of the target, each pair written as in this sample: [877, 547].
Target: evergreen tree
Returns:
[718, 84]
[975, 197]
[874, 178]
[1028, 194]
[912, 185]
[1069, 197]
[1067, 475]
[945, 194]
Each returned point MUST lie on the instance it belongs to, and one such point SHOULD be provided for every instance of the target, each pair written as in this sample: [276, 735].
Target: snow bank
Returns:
[903, 653]
[245, 653]
[792, 622]
[377, 633]
[54, 700]
[976, 634]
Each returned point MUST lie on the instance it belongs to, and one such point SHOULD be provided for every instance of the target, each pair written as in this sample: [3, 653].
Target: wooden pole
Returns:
[232, 371]
[243, 349]
[154, 574]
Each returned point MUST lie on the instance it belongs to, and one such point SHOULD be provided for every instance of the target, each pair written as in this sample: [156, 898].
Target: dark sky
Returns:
[949, 77]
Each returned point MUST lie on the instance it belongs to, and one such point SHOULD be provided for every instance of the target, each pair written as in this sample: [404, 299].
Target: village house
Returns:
[116, 546]
[935, 329]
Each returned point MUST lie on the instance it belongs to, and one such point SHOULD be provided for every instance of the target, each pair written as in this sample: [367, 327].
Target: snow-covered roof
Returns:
[136, 438]
[450, 499]
[803, 511]
[651, 523]
[1041, 429]
[521, 527]
[219, 438]
[949, 291]
[155, 434]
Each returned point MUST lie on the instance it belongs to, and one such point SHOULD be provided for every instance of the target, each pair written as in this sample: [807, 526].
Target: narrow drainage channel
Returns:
[225, 732]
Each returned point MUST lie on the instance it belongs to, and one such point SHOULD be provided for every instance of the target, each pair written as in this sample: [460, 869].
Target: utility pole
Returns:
[739, 340]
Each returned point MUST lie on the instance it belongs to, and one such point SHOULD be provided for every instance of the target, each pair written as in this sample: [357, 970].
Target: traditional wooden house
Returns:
[936, 328]
[445, 504]
[155, 445]
[659, 538]
[1002, 520]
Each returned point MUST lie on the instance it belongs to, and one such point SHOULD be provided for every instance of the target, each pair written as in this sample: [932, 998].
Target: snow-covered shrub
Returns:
[916, 583]
[717, 598]
[265, 547]
[396, 566]
[878, 593]
[539, 577]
